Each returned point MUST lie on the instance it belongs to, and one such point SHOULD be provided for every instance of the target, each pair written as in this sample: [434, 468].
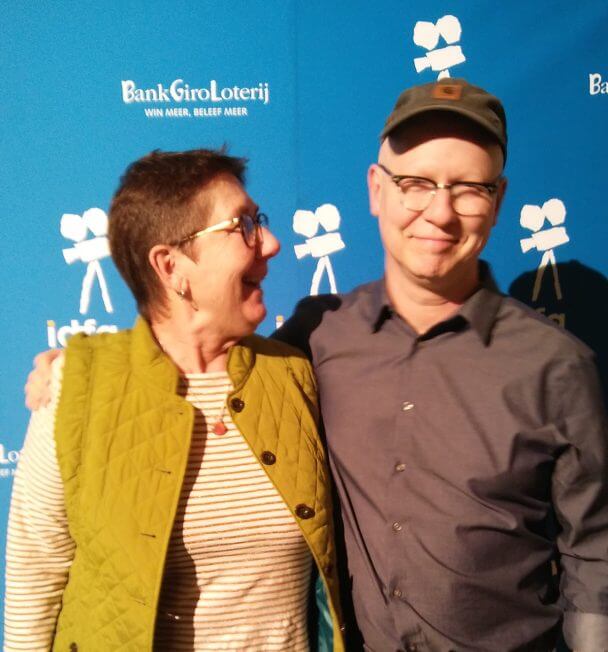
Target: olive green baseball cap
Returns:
[454, 95]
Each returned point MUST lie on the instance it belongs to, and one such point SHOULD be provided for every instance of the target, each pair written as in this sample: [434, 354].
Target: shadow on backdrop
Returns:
[575, 297]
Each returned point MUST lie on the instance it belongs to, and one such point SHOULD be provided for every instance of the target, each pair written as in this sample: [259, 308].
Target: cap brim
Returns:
[449, 109]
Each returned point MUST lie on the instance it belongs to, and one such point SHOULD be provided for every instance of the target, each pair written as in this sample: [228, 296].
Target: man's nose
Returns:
[269, 245]
[440, 211]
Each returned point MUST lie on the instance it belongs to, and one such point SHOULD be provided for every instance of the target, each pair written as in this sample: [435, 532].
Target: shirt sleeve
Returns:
[39, 548]
[306, 317]
[580, 498]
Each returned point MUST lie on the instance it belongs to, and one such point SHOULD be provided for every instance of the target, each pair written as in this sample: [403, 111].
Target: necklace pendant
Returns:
[219, 428]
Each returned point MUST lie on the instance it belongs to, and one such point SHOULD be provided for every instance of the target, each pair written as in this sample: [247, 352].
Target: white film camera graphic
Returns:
[427, 35]
[307, 223]
[546, 240]
[91, 251]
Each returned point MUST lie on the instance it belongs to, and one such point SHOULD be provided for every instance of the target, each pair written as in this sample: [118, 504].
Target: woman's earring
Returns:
[185, 295]
[182, 289]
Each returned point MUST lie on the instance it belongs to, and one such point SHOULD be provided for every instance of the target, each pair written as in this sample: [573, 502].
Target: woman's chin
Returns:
[254, 315]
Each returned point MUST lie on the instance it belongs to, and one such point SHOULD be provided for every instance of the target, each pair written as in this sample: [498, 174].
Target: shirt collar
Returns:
[378, 308]
[479, 310]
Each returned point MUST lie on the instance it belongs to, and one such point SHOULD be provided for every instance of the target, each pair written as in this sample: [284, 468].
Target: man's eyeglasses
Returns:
[250, 227]
[469, 198]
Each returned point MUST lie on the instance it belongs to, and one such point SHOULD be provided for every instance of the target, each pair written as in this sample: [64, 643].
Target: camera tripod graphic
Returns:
[91, 251]
[533, 218]
[307, 223]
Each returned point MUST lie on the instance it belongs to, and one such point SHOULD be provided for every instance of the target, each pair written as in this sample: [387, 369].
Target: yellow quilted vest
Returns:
[123, 436]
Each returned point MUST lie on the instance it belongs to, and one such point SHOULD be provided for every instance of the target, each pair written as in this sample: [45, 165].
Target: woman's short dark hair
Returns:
[158, 201]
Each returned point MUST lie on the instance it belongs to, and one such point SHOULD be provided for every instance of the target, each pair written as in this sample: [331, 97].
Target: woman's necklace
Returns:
[219, 427]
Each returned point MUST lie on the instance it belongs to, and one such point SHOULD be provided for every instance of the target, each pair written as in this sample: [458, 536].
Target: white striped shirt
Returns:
[237, 572]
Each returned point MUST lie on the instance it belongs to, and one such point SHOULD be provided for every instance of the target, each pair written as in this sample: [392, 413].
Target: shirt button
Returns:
[397, 526]
[268, 458]
[400, 466]
[397, 593]
[237, 405]
[304, 511]
[406, 405]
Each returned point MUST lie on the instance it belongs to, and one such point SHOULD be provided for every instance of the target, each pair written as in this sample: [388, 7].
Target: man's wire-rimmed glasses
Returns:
[469, 198]
[249, 226]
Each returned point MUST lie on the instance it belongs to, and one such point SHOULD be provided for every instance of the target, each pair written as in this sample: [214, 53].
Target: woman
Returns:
[174, 493]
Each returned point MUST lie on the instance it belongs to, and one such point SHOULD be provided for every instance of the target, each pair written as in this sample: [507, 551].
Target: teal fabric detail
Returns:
[324, 624]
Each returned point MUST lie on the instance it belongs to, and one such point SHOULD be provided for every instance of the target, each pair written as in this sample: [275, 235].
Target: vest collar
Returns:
[149, 360]
[241, 359]
[158, 369]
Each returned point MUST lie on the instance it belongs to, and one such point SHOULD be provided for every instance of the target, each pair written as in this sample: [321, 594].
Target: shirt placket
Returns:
[398, 526]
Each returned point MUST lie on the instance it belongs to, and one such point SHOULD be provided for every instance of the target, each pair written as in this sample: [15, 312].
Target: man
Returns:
[466, 434]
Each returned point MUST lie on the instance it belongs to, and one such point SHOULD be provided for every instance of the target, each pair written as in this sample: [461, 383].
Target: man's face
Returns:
[225, 276]
[435, 248]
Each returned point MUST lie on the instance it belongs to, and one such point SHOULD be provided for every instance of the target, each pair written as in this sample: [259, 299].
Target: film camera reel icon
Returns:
[546, 240]
[90, 251]
[440, 60]
[307, 223]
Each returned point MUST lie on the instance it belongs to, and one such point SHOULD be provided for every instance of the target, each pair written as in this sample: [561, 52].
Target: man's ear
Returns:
[163, 261]
[374, 189]
[500, 195]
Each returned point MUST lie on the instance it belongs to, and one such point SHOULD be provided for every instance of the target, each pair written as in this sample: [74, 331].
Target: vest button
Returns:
[237, 405]
[304, 511]
[268, 458]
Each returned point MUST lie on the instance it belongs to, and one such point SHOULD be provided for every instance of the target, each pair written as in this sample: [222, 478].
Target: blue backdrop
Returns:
[302, 89]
